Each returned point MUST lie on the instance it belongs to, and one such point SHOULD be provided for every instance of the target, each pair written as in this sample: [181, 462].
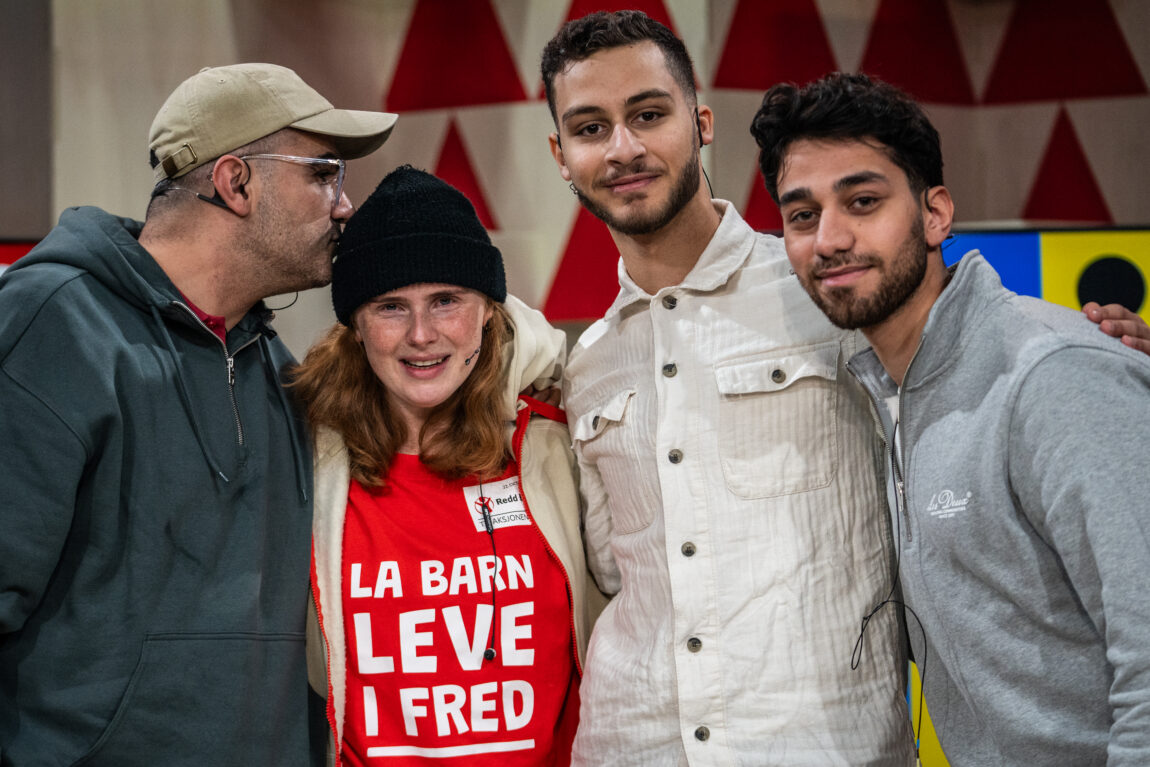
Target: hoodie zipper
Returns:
[896, 470]
[229, 367]
[230, 362]
[901, 508]
[899, 484]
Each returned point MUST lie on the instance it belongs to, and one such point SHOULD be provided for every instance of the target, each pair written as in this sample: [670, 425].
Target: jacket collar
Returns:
[728, 249]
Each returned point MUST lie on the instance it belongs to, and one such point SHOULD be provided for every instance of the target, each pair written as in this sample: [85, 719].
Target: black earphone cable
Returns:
[699, 128]
[856, 654]
[489, 653]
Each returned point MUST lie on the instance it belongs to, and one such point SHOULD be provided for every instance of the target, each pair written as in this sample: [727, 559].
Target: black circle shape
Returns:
[1112, 279]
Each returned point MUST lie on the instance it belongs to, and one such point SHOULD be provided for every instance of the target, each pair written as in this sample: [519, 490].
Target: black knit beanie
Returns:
[413, 228]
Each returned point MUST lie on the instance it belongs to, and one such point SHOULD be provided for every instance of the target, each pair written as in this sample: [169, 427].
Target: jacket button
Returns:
[595, 422]
[694, 644]
[675, 456]
[670, 302]
[688, 549]
[778, 376]
[670, 370]
[702, 733]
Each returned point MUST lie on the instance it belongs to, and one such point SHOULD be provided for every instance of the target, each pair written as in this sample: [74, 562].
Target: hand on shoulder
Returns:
[1121, 323]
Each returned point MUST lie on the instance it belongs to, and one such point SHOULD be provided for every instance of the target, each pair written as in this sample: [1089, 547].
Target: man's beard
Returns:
[900, 280]
[635, 225]
[284, 256]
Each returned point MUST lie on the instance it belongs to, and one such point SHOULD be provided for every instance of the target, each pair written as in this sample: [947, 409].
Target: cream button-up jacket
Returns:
[734, 506]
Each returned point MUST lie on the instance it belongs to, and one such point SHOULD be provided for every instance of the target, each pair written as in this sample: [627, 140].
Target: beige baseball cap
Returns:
[222, 108]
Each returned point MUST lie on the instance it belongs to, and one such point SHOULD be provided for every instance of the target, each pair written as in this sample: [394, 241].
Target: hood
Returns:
[535, 356]
[87, 241]
[106, 247]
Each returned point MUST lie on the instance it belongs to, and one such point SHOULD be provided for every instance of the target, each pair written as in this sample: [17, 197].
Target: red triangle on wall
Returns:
[913, 45]
[1063, 49]
[454, 54]
[587, 279]
[760, 212]
[653, 8]
[580, 8]
[454, 167]
[1065, 188]
[773, 41]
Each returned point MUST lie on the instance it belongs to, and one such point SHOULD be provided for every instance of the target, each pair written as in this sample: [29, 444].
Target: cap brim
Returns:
[355, 133]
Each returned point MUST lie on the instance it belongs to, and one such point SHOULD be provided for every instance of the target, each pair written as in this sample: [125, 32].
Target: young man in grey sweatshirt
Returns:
[1017, 441]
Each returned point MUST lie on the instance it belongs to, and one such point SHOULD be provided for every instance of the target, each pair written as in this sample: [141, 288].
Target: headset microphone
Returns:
[473, 355]
[699, 128]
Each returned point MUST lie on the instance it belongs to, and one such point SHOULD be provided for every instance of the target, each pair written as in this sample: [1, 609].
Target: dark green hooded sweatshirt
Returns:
[154, 519]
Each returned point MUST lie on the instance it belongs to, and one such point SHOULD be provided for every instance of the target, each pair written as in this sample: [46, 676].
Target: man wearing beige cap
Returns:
[154, 479]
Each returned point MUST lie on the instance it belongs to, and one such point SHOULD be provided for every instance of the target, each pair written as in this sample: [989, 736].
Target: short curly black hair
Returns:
[580, 38]
[844, 106]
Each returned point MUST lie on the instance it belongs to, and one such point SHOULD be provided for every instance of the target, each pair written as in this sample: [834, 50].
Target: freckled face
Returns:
[418, 340]
[853, 229]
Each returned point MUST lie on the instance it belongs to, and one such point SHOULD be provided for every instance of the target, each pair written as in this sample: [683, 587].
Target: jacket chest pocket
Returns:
[777, 421]
[609, 436]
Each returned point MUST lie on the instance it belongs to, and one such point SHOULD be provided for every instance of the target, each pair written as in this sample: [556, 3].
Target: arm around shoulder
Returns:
[1121, 323]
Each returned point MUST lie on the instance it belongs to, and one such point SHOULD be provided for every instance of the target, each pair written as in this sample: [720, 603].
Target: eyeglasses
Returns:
[333, 177]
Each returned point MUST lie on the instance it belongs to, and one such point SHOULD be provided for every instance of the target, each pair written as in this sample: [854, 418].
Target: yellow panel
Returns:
[1065, 256]
[929, 752]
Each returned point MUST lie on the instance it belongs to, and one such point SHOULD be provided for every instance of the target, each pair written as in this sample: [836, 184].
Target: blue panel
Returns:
[1016, 256]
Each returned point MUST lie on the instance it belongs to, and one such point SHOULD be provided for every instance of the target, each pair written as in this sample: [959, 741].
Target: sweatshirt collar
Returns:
[964, 303]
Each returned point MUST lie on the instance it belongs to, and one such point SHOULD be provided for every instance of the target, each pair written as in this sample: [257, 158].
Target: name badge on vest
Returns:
[501, 500]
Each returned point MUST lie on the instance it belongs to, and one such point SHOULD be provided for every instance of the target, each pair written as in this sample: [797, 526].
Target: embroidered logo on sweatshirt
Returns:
[946, 504]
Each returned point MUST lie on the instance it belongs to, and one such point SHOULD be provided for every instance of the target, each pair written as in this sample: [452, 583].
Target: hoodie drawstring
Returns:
[184, 397]
[289, 417]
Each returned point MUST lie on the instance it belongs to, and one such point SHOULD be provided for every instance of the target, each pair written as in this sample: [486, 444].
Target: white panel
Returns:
[305, 321]
[116, 62]
[691, 23]
[991, 156]
[722, 12]
[848, 24]
[980, 27]
[1114, 137]
[734, 153]
[1134, 18]
[527, 26]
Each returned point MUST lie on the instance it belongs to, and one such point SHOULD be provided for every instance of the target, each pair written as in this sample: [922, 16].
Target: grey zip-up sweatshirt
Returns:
[1024, 528]
[155, 519]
